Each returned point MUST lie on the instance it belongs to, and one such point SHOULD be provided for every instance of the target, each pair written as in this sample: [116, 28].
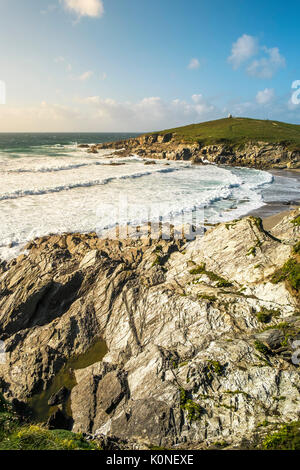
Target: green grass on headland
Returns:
[15, 435]
[238, 132]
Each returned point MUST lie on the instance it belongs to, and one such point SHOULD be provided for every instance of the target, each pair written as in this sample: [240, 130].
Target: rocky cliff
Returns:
[167, 146]
[201, 337]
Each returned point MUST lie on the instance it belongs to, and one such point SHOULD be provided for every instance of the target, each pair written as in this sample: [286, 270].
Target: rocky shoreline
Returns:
[200, 335]
[260, 155]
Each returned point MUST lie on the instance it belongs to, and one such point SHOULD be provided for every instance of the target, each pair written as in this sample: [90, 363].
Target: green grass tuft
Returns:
[262, 348]
[265, 315]
[287, 438]
[15, 436]
[210, 298]
[38, 438]
[296, 221]
[194, 410]
[296, 248]
[201, 269]
[216, 367]
[290, 272]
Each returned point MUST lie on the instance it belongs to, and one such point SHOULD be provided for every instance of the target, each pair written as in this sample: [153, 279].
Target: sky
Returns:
[141, 65]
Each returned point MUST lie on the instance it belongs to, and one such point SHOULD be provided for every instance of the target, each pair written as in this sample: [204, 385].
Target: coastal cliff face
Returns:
[200, 336]
[166, 146]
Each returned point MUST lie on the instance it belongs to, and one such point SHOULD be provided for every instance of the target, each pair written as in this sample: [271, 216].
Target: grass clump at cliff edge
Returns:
[238, 132]
[262, 348]
[17, 436]
[286, 438]
[201, 269]
[296, 249]
[216, 367]
[296, 221]
[194, 410]
[290, 272]
[265, 315]
[8, 420]
[37, 438]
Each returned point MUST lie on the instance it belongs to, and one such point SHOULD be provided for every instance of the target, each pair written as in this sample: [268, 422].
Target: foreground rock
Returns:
[167, 146]
[200, 336]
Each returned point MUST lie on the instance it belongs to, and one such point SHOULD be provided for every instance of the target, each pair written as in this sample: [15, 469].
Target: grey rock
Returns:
[170, 330]
[110, 392]
[59, 397]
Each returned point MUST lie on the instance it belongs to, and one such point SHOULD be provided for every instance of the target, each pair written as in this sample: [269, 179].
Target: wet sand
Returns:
[270, 222]
[273, 212]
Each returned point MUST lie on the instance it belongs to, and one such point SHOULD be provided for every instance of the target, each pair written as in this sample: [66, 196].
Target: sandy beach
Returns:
[273, 220]
[273, 212]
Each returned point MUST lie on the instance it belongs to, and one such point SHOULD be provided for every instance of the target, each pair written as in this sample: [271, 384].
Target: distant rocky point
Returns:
[232, 141]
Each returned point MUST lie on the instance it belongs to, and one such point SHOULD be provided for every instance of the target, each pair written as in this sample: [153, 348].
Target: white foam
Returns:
[71, 166]
[83, 184]
[80, 192]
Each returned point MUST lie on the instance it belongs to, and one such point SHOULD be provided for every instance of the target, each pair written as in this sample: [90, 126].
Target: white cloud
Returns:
[267, 66]
[268, 62]
[243, 49]
[96, 114]
[148, 113]
[265, 96]
[43, 117]
[103, 76]
[91, 8]
[108, 115]
[85, 76]
[194, 64]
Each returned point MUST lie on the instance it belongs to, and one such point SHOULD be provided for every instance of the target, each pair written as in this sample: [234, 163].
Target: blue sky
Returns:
[138, 65]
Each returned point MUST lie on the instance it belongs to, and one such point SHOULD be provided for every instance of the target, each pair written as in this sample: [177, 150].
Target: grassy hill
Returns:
[239, 131]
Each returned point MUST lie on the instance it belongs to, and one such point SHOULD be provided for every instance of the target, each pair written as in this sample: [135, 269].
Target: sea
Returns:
[49, 185]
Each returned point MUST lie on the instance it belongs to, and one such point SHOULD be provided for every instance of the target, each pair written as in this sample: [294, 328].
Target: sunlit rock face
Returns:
[199, 336]
[168, 146]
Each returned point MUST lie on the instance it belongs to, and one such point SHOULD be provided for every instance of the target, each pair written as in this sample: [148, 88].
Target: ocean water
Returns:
[49, 185]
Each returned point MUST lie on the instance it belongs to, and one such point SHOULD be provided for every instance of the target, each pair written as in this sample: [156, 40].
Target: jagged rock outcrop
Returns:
[167, 146]
[200, 335]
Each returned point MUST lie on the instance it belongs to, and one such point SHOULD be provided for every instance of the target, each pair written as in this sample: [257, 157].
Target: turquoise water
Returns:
[52, 144]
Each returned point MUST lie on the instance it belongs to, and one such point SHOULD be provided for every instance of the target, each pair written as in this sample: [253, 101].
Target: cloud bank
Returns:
[265, 96]
[243, 49]
[85, 76]
[266, 67]
[91, 8]
[267, 62]
[97, 114]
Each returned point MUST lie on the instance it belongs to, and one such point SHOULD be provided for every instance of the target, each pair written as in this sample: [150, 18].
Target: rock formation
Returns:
[167, 146]
[200, 335]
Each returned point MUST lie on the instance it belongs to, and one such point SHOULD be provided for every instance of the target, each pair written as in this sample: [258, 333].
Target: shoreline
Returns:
[273, 212]
[270, 222]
